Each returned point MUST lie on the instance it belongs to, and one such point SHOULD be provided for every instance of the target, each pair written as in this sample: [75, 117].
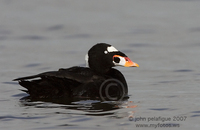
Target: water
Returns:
[161, 36]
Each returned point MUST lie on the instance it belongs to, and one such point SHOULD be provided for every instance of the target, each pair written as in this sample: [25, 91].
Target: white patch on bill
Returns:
[122, 62]
[111, 49]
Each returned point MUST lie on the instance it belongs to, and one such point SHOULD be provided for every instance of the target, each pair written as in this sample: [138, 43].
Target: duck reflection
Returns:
[90, 107]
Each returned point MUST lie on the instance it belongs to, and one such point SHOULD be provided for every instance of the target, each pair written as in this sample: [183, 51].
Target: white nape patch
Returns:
[111, 49]
[86, 60]
[122, 62]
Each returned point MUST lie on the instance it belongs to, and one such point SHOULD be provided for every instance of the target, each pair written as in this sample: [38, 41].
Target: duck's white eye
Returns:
[106, 52]
[111, 49]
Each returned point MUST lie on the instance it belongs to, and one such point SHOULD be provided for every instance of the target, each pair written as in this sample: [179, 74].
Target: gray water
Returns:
[162, 36]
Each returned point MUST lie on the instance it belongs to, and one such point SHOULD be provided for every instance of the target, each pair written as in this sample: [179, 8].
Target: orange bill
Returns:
[130, 63]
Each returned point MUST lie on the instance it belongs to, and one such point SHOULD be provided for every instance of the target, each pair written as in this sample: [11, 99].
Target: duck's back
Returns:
[71, 82]
[74, 81]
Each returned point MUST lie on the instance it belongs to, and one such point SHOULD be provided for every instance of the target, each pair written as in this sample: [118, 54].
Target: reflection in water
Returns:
[89, 107]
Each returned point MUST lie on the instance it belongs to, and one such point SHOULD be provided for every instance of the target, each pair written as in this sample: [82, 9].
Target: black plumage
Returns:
[80, 81]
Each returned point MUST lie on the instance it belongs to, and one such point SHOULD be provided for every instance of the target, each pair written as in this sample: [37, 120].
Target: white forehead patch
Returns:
[111, 49]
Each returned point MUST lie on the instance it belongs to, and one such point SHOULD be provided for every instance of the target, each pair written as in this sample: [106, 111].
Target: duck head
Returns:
[102, 57]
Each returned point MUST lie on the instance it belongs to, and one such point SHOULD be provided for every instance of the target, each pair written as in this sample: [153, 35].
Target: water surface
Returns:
[161, 36]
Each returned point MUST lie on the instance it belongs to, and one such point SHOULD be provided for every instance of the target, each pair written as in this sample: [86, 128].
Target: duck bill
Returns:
[130, 63]
[125, 61]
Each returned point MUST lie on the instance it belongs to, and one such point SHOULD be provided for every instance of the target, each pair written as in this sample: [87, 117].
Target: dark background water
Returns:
[162, 36]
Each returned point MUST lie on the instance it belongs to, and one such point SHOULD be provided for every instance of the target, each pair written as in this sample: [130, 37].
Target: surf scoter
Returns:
[96, 81]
